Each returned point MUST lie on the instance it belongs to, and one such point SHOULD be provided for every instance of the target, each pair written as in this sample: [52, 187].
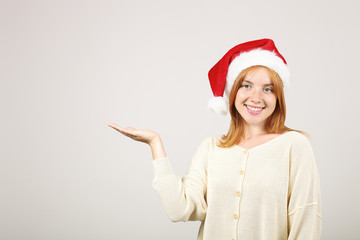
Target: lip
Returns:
[252, 111]
[254, 106]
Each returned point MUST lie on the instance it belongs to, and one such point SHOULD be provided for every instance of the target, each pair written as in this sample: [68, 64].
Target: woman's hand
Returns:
[147, 136]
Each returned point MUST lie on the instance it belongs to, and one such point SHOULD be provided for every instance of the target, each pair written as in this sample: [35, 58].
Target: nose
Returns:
[256, 95]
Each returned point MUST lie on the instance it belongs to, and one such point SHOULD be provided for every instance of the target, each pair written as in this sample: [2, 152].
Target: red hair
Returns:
[275, 123]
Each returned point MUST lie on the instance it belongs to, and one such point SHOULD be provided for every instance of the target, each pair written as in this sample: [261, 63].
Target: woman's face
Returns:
[255, 99]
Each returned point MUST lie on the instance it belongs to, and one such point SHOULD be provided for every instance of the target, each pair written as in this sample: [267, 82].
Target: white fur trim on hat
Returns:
[219, 105]
[253, 58]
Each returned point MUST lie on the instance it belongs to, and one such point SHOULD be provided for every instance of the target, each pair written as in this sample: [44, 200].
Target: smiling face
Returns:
[255, 99]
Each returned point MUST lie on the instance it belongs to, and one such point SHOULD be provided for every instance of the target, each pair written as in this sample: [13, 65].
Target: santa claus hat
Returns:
[224, 73]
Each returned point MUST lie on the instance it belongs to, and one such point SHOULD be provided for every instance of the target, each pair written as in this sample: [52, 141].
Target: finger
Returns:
[118, 128]
[127, 132]
[113, 125]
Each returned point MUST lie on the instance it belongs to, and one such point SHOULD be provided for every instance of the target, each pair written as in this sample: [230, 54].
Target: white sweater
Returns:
[271, 191]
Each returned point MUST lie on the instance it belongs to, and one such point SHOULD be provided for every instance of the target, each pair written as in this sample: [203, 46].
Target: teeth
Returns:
[254, 109]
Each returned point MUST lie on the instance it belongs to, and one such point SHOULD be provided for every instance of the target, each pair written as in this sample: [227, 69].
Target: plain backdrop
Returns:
[68, 68]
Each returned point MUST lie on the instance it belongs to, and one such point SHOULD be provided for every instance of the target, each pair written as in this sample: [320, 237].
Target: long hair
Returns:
[275, 123]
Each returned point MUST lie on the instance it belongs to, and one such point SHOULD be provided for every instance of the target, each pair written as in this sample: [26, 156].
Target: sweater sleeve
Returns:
[304, 199]
[184, 199]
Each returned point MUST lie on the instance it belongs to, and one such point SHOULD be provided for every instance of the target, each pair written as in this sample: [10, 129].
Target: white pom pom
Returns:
[218, 105]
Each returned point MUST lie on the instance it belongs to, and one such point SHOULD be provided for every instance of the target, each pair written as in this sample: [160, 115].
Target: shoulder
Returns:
[211, 141]
[205, 148]
[297, 138]
[299, 143]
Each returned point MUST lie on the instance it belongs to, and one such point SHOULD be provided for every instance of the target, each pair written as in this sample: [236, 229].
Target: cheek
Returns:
[271, 101]
[238, 100]
[240, 96]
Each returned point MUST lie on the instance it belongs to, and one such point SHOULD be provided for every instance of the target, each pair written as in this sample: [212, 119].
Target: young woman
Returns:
[260, 180]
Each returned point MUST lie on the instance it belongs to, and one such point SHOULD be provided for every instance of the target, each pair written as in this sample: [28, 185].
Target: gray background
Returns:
[68, 68]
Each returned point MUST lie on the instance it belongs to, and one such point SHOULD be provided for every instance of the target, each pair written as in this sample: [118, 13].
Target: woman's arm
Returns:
[146, 136]
[304, 203]
[183, 199]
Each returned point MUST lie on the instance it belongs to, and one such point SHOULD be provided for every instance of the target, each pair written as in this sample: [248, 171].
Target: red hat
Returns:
[223, 74]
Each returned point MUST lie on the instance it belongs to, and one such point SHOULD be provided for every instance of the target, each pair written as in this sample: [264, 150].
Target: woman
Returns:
[260, 180]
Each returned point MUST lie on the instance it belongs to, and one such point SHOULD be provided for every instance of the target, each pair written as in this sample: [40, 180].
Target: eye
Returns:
[246, 86]
[268, 90]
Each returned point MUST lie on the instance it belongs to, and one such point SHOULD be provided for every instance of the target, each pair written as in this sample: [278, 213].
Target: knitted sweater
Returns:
[271, 191]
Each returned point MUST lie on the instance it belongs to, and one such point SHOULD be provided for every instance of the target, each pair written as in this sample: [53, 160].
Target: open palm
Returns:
[143, 135]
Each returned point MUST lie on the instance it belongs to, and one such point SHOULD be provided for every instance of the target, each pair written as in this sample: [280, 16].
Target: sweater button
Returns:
[235, 216]
[241, 172]
[238, 193]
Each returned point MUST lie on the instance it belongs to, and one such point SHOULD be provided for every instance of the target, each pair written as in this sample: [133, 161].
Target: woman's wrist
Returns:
[157, 148]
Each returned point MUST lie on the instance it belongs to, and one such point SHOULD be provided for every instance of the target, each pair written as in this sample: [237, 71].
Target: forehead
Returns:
[258, 76]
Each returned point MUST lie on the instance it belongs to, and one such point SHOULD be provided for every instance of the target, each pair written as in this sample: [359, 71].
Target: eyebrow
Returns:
[268, 84]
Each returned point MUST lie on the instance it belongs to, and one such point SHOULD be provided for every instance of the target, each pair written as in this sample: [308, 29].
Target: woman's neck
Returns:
[253, 131]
